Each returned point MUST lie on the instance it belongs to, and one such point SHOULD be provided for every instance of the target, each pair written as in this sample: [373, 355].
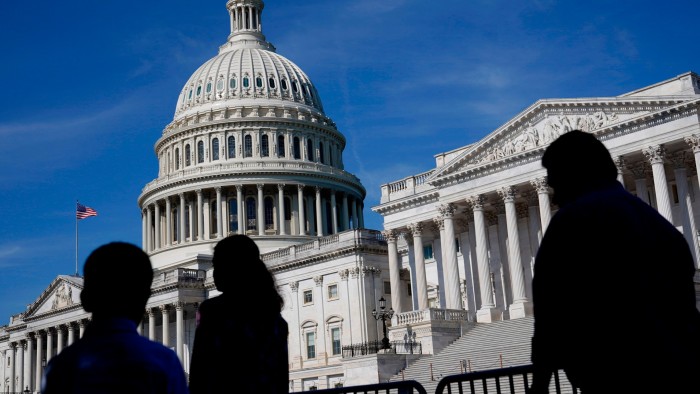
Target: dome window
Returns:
[200, 152]
[272, 83]
[199, 90]
[246, 82]
[258, 82]
[295, 86]
[219, 85]
[284, 84]
[231, 147]
[208, 87]
[215, 149]
[189, 95]
[187, 155]
[265, 146]
[247, 146]
[232, 83]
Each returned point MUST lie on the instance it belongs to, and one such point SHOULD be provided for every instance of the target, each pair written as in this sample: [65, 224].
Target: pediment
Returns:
[62, 293]
[540, 124]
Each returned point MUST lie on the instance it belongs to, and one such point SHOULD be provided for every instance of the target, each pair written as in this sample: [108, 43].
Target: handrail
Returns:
[398, 387]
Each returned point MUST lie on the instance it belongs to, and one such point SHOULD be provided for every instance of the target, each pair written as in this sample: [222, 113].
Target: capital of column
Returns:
[678, 160]
[507, 193]
[694, 142]
[540, 184]
[390, 235]
[655, 154]
[199, 192]
[447, 210]
[239, 188]
[343, 274]
[439, 223]
[301, 187]
[318, 280]
[416, 229]
[280, 186]
[149, 312]
[218, 189]
[164, 308]
[179, 305]
[294, 285]
[260, 186]
[476, 202]
[639, 171]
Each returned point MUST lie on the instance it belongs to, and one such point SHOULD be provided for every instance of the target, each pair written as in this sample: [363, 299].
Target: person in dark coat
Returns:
[240, 343]
[111, 357]
[613, 291]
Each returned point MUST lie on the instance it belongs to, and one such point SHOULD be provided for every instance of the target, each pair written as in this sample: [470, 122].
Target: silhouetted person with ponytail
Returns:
[240, 343]
[613, 291]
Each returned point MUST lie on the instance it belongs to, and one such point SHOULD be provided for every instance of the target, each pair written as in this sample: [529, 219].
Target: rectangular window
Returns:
[308, 297]
[333, 292]
[335, 337]
[310, 345]
[428, 251]
[387, 287]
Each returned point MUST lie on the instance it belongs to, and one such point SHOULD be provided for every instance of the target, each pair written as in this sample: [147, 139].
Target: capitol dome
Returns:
[249, 151]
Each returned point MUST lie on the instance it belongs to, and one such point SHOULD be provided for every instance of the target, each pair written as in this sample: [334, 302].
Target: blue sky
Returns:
[87, 87]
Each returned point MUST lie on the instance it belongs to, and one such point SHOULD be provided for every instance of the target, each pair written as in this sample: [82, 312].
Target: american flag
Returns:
[82, 212]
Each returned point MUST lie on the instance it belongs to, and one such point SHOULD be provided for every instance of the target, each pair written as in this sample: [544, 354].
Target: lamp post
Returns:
[383, 314]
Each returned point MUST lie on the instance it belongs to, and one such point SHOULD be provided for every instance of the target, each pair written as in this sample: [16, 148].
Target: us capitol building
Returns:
[251, 151]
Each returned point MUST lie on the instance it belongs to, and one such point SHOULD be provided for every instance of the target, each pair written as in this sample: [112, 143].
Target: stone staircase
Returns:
[485, 346]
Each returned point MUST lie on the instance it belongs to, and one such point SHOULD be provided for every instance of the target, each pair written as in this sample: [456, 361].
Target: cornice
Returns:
[53, 312]
[327, 256]
[411, 201]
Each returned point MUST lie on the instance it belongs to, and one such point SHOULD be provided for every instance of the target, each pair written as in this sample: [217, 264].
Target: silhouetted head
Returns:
[238, 268]
[577, 162]
[117, 282]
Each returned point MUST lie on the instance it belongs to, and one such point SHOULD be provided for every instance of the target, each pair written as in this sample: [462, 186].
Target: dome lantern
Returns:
[246, 26]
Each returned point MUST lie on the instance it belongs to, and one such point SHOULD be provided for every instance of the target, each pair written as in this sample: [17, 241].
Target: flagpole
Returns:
[76, 239]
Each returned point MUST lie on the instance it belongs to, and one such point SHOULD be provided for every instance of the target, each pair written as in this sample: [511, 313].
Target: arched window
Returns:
[250, 214]
[310, 149]
[233, 215]
[187, 155]
[280, 146]
[219, 85]
[215, 149]
[200, 152]
[269, 213]
[272, 83]
[295, 86]
[199, 90]
[231, 147]
[296, 149]
[213, 205]
[258, 82]
[177, 158]
[265, 146]
[320, 153]
[247, 146]
[246, 82]
[283, 82]
[208, 87]
[232, 83]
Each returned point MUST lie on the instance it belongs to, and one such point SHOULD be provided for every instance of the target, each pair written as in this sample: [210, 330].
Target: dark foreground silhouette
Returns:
[112, 357]
[240, 344]
[613, 291]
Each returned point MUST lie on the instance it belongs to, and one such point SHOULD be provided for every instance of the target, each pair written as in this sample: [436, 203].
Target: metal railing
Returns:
[510, 380]
[373, 347]
[400, 387]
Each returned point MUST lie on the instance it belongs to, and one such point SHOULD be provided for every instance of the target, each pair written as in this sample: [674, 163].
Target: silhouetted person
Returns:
[240, 343]
[613, 292]
[112, 357]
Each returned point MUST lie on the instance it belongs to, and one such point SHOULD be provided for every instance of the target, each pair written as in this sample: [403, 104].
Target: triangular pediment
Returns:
[531, 131]
[62, 293]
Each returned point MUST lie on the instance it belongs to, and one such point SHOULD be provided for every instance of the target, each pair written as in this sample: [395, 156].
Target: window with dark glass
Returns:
[177, 158]
[295, 86]
[200, 152]
[387, 287]
[283, 83]
[199, 90]
[271, 82]
[246, 82]
[333, 292]
[428, 251]
[231, 147]
[175, 224]
[269, 213]
[320, 153]
[208, 87]
[296, 148]
[251, 214]
[187, 155]
[232, 83]
[308, 296]
[265, 146]
[258, 82]
[310, 345]
[247, 146]
[280, 146]
[335, 338]
[215, 149]
[233, 215]
[309, 150]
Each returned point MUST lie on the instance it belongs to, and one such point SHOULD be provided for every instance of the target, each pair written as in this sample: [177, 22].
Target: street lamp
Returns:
[383, 314]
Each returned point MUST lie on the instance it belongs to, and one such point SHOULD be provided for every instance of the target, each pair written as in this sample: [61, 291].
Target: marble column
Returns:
[334, 213]
[59, 339]
[21, 348]
[694, 142]
[81, 328]
[219, 214]
[521, 305]
[261, 210]
[29, 349]
[164, 309]
[640, 181]
[488, 311]
[280, 203]
[11, 361]
[49, 345]
[450, 269]
[200, 217]
[71, 333]
[302, 214]
[158, 227]
[181, 214]
[39, 357]
[144, 230]
[416, 230]
[394, 269]
[540, 184]
[149, 229]
[319, 214]
[656, 155]
[355, 223]
[168, 222]
[179, 329]
[151, 324]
